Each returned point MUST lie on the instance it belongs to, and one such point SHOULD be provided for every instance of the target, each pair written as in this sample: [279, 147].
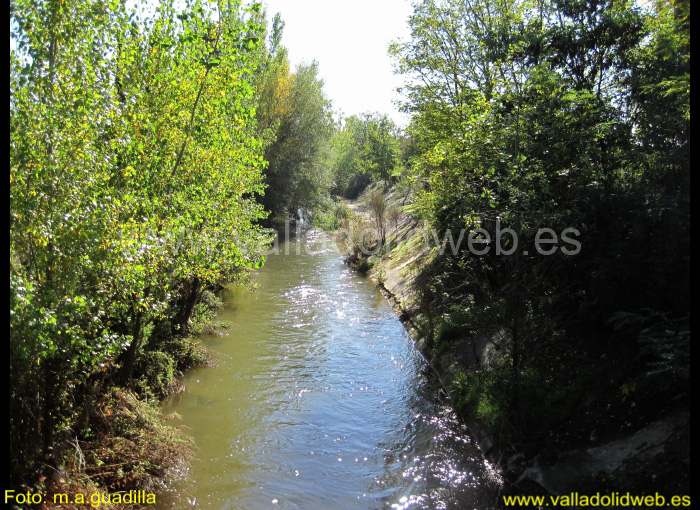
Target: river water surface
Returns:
[321, 401]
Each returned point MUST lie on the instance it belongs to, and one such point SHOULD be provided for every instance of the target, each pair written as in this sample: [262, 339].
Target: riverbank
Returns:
[127, 448]
[605, 434]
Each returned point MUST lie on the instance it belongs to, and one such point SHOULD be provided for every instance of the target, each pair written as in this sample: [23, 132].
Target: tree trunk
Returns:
[186, 307]
[129, 356]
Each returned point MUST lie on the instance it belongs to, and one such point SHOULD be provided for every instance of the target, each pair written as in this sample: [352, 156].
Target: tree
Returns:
[296, 117]
[133, 160]
[365, 148]
[549, 114]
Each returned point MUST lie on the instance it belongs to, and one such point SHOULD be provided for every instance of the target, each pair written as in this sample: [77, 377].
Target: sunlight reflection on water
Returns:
[320, 400]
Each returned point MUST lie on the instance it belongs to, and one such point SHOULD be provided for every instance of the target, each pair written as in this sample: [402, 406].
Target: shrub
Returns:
[488, 395]
[155, 373]
[393, 216]
[357, 238]
[208, 305]
[128, 445]
[452, 326]
[329, 217]
[377, 205]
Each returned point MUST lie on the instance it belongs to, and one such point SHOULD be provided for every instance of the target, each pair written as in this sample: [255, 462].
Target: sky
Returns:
[350, 41]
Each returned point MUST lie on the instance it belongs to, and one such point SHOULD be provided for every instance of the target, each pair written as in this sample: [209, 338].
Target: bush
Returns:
[484, 394]
[208, 305]
[452, 327]
[377, 205]
[393, 216]
[488, 395]
[364, 266]
[155, 374]
[330, 216]
[128, 445]
[358, 239]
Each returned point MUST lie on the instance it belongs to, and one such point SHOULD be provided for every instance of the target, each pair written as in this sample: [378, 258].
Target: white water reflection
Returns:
[320, 400]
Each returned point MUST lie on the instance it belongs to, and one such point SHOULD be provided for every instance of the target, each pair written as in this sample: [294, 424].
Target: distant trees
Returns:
[365, 148]
[309, 155]
[296, 117]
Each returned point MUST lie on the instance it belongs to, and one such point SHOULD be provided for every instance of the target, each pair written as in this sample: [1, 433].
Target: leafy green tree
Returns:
[134, 158]
[365, 148]
[553, 114]
[295, 115]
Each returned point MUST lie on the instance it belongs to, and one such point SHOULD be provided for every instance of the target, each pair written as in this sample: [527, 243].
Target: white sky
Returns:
[349, 40]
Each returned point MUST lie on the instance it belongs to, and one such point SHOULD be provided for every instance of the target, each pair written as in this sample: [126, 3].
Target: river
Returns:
[320, 400]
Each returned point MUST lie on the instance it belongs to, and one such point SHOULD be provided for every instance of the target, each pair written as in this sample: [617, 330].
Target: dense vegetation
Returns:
[149, 146]
[134, 161]
[296, 115]
[365, 149]
[557, 114]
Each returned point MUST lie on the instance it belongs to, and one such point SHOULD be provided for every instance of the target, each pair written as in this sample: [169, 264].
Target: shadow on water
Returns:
[320, 400]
